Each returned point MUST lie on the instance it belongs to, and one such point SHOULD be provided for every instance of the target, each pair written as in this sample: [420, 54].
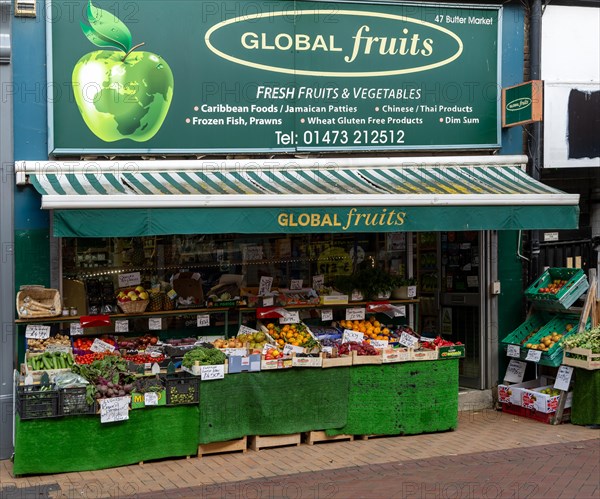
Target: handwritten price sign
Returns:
[355, 314]
[36, 332]
[350, 335]
[208, 373]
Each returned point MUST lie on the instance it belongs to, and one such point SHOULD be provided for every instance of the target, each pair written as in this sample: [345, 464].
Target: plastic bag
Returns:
[69, 380]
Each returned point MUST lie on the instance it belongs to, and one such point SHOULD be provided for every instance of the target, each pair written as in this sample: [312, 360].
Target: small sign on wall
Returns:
[522, 103]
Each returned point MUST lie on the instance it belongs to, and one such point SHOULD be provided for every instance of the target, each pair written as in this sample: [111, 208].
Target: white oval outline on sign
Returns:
[345, 74]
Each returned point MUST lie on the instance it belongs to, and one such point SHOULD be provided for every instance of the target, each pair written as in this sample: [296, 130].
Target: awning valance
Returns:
[159, 197]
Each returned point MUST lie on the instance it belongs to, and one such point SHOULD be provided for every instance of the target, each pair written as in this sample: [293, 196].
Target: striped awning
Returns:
[151, 186]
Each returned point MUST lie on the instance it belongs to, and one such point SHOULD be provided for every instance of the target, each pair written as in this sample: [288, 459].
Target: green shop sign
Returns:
[235, 76]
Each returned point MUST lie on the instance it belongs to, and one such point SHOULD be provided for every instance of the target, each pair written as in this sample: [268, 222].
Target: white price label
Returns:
[379, 344]
[101, 346]
[58, 348]
[515, 371]
[155, 368]
[398, 311]
[563, 378]
[328, 350]
[208, 373]
[290, 349]
[264, 288]
[290, 317]
[318, 281]
[246, 330]
[151, 398]
[534, 355]
[326, 314]
[350, 335]
[203, 320]
[37, 332]
[267, 347]
[408, 340]
[268, 301]
[356, 296]
[411, 291]
[155, 324]
[122, 326]
[513, 351]
[131, 279]
[296, 284]
[355, 314]
[75, 329]
[114, 409]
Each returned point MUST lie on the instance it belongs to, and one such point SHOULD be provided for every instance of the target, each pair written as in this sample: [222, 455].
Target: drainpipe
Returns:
[7, 283]
[535, 138]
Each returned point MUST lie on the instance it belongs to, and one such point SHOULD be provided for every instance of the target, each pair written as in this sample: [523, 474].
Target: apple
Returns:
[120, 93]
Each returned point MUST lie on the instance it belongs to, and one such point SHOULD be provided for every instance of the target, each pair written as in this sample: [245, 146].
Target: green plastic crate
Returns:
[576, 285]
[534, 322]
[554, 356]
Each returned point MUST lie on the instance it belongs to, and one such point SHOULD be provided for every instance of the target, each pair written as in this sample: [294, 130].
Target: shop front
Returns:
[268, 168]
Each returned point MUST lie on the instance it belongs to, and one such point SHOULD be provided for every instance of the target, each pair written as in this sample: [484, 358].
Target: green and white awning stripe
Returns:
[473, 181]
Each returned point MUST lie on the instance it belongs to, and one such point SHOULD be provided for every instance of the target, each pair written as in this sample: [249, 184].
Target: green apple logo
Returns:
[121, 94]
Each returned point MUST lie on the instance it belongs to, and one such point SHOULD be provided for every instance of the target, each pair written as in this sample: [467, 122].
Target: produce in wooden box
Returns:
[140, 343]
[273, 353]
[362, 348]
[294, 334]
[34, 344]
[254, 340]
[48, 361]
[230, 343]
[438, 342]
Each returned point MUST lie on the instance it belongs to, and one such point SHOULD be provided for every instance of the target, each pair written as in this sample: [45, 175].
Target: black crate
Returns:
[182, 389]
[37, 401]
[73, 402]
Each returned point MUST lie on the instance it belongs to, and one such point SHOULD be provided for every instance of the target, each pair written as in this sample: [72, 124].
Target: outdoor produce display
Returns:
[47, 361]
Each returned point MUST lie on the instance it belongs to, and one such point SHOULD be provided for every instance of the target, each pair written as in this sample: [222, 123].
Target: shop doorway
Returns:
[462, 306]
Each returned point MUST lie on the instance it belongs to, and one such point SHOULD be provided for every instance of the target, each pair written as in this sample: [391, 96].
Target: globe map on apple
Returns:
[120, 93]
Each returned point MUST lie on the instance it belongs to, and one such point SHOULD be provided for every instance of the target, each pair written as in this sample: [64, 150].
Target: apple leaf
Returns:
[106, 30]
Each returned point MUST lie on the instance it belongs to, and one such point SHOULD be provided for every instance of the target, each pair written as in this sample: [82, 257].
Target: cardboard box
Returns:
[452, 352]
[425, 354]
[244, 363]
[534, 399]
[283, 363]
[307, 361]
[391, 355]
[512, 394]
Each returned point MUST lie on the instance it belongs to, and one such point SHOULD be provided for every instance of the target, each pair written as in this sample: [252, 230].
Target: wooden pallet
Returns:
[369, 437]
[258, 442]
[313, 437]
[239, 444]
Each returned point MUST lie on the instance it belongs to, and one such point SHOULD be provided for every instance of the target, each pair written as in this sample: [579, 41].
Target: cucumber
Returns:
[46, 361]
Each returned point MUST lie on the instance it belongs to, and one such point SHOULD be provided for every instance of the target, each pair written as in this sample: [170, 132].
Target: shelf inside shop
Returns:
[163, 313]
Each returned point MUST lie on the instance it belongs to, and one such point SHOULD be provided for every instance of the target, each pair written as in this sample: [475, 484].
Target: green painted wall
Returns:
[510, 306]
[32, 257]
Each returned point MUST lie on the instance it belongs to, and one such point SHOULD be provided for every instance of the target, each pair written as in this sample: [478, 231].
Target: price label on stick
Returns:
[203, 320]
[379, 344]
[246, 330]
[534, 355]
[131, 279]
[37, 332]
[513, 351]
[515, 371]
[264, 288]
[563, 378]
[408, 340]
[355, 314]
[268, 301]
[101, 346]
[290, 317]
[122, 326]
[268, 347]
[208, 373]
[318, 281]
[296, 284]
[326, 314]
[75, 329]
[155, 324]
[350, 335]
[290, 349]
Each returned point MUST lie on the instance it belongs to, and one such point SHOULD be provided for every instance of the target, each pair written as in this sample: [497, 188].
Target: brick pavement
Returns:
[479, 433]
